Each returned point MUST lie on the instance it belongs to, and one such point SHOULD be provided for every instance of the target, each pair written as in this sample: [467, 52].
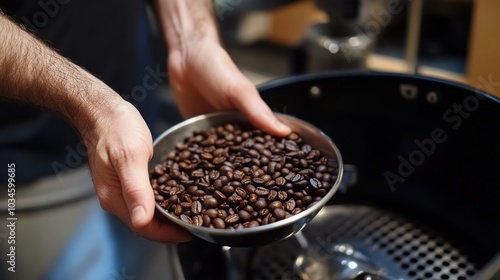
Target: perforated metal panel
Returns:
[401, 248]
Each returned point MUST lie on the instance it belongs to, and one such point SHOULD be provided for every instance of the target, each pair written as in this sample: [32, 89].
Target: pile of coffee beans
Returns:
[232, 176]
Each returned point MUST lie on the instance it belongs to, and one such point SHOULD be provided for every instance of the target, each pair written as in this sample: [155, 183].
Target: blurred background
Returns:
[451, 39]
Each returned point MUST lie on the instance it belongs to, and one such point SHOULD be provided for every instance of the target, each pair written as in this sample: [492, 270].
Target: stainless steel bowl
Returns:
[259, 235]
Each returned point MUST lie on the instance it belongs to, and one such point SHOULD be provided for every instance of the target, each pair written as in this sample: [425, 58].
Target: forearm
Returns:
[185, 20]
[34, 74]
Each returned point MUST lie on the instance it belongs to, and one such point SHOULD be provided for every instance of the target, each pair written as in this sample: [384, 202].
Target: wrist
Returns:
[185, 21]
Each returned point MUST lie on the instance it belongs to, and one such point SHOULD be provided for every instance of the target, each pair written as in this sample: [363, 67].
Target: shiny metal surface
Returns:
[353, 242]
[262, 234]
[344, 263]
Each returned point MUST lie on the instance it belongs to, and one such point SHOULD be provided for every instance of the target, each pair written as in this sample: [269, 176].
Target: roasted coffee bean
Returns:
[235, 184]
[221, 213]
[260, 204]
[298, 195]
[244, 216]
[275, 158]
[253, 153]
[253, 224]
[196, 207]
[185, 206]
[186, 219]
[271, 167]
[219, 223]
[158, 170]
[269, 184]
[289, 204]
[178, 210]
[301, 184]
[272, 195]
[201, 192]
[243, 203]
[307, 200]
[320, 192]
[296, 178]
[326, 185]
[191, 190]
[159, 198]
[218, 160]
[207, 156]
[220, 196]
[275, 204]
[253, 198]
[224, 169]
[214, 175]
[234, 199]
[261, 191]
[258, 181]
[238, 175]
[280, 181]
[207, 221]
[210, 203]
[174, 199]
[197, 220]
[202, 183]
[282, 195]
[289, 176]
[232, 219]
[212, 213]
[313, 155]
[218, 184]
[279, 213]
[263, 212]
[322, 168]
[266, 178]
[246, 181]
[248, 208]
[284, 171]
[315, 183]
[326, 177]
[227, 190]
[250, 188]
[240, 192]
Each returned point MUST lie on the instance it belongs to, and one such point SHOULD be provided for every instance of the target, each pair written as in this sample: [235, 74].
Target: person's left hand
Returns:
[204, 79]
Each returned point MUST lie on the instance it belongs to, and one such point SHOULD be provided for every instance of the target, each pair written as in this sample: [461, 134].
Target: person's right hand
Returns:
[119, 149]
[118, 142]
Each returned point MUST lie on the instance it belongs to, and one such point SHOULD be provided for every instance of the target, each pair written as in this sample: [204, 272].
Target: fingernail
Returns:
[138, 215]
[282, 128]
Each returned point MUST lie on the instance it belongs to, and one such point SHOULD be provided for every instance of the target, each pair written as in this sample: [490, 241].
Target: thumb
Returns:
[136, 189]
[258, 113]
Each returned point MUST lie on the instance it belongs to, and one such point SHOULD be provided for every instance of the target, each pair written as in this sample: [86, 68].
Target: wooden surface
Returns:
[483, 62]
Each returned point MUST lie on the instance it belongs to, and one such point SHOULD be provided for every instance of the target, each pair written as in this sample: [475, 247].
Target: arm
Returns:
[118, 142]
[202, 75]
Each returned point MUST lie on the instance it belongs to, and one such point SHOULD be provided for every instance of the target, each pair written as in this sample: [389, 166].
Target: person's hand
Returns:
[119, 149]
[204, 79]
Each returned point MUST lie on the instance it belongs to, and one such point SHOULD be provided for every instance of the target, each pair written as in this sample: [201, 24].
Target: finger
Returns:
[132, 170]
[164, 231]
[249, 102]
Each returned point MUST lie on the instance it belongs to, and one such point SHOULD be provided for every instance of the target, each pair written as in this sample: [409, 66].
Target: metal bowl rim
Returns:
[262, 228]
